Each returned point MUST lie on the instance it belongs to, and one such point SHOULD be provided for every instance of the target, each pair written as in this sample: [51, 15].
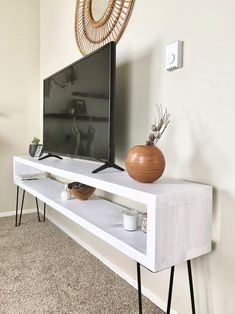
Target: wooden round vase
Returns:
[145, 163]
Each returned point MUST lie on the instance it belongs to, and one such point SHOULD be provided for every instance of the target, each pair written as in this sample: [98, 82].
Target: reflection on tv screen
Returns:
[77, 108]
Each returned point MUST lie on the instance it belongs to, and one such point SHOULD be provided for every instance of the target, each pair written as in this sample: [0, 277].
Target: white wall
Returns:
[19, 87]
[198, 145]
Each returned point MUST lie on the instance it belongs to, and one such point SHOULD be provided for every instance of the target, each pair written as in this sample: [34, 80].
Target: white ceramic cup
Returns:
[130, 219]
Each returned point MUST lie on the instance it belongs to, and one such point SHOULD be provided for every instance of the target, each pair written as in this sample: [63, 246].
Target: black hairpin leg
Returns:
[17, 201]
[190, 277]
[21, 209]
[44, 212]
[37, 209]
[170, 290]
[190, 286]
[139, 288]
[22, 206]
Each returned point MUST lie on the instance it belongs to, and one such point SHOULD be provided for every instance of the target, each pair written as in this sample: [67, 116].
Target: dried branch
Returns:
[158, 127]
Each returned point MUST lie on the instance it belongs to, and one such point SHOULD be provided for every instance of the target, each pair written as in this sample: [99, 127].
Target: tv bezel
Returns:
[112, 88]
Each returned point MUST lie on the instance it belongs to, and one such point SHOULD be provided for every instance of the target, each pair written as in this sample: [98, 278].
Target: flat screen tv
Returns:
[78, 111]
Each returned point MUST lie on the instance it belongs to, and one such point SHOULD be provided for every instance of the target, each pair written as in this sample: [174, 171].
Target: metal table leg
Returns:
[44, 212]
[37, 209]
[17, 201]
[22, 205]
[190, 286]
[139, 288]
[190, 277]
[170, 289]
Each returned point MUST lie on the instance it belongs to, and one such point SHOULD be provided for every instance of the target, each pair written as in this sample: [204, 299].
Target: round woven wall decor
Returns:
[93, 33]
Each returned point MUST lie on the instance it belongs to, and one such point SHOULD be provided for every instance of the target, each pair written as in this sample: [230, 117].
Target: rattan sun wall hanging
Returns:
[93, 33]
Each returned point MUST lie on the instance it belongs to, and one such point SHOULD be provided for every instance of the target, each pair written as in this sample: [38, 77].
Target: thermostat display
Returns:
[174, 55]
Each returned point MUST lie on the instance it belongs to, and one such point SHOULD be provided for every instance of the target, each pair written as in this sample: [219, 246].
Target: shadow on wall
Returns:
[194, 155]
[2, 142]
[213, 272]
[3, 115]
[122, 109]
[132, 103]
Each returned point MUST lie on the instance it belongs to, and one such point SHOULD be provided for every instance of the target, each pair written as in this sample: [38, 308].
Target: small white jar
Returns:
[130, 219]
[65, 195]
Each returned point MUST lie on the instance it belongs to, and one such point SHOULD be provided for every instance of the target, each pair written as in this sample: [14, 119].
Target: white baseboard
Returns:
[12, 212]
[146, 292]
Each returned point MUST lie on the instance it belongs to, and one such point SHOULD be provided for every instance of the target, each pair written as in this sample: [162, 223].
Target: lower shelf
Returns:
[99, 216]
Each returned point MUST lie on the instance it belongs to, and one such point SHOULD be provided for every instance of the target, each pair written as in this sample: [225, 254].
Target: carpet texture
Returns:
[42, 270]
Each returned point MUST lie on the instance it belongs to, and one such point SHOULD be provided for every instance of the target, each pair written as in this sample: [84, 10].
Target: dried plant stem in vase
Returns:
[159, 127]
[146, 163]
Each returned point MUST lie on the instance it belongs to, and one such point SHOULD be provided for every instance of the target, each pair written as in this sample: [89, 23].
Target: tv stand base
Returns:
[50, 155]
[108, 165]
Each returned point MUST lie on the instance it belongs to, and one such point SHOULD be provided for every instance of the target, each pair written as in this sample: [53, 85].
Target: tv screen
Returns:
[78, 107]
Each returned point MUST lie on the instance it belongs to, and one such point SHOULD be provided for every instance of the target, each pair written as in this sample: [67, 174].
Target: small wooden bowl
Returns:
[82, 193]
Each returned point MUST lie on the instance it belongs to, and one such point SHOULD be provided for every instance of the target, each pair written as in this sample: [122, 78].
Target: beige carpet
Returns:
[42, 270]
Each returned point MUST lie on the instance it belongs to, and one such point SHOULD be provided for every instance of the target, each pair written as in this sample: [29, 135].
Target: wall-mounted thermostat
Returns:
[174, 55]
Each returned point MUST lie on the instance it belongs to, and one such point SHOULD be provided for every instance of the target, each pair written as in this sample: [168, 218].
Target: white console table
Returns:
[179, 212]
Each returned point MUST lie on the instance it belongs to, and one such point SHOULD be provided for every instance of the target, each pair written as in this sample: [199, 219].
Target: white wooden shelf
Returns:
[179, 212]
[103, 218]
